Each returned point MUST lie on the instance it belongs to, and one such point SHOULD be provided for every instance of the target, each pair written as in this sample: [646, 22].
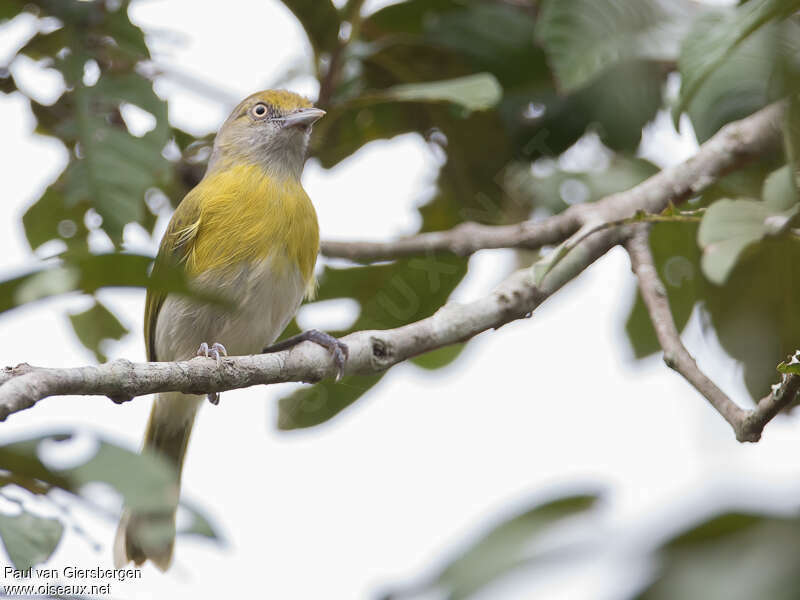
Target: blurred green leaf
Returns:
[792, 367]
[146, 481]
[437, 359]
[559, 189]
[584, 37]
[29, 539]
[310, 406]
[199, 523]
[474, 92]
[715, 41]
[95, 325]
[677, 257]
[390, 295]
[617, 105]
[51, 217]
[708, 562]
[729, 227]
[763, 67]
[780, 190]
[89, 273]
[505, 547]
[320, 19]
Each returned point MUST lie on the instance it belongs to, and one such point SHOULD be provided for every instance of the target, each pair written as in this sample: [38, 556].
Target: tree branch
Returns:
[747, 424]
[733, 146]
[370, 351]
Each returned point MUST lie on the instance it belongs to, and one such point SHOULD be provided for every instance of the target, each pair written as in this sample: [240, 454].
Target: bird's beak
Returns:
[303, 117]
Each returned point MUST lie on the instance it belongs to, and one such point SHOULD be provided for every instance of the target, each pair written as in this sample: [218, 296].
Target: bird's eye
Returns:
[260, 110]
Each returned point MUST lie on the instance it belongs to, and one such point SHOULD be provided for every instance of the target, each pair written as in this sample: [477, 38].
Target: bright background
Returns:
[382, 493]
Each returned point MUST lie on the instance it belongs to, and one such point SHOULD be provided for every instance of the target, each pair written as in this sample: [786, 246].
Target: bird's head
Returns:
[269, 128]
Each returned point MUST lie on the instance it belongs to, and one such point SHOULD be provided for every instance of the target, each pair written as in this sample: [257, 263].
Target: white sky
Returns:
[379, 495]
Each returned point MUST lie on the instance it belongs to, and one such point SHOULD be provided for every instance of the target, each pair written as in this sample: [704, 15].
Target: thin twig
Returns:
[747, 424]
[732, 147]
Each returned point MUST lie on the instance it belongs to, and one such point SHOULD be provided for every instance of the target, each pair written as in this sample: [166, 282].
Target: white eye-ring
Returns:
[260, 110]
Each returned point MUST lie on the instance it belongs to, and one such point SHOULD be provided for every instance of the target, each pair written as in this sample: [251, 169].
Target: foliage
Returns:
[726, 555]
[145, 482]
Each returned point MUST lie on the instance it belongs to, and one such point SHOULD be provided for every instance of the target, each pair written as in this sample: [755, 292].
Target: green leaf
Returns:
[199, 523]
[617, 105]
[764, 67]
[506, 546]
[792, 367]
[677, 258]
[583, 38]
[310, 406]
[729, 227]
[707, 561]
[780, 190]
[88, 273]
[437, 359]
[147, 482]
[95, 325]
[560, 189]
[50, 217]
[320, 19]
[390, 295]
[29, 539]
[707, 47]
[474, 92]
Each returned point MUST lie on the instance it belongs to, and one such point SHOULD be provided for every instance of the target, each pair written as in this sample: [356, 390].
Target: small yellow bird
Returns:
[248, 233]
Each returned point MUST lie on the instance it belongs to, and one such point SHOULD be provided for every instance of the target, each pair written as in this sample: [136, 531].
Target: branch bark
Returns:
[733, 146]
[23, 386]
[746, 424]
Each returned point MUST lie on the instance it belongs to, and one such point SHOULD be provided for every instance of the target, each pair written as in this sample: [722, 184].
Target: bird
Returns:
[248, 233]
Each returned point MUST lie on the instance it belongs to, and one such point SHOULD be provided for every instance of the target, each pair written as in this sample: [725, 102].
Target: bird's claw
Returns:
[215, 351]
[338, 349]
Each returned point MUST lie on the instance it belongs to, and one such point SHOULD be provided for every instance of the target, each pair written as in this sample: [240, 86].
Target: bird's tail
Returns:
[151, 535]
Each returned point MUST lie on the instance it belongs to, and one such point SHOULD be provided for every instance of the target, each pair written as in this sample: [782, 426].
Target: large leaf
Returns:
[507, 546]
[95, 325]
[731, 226]
[617, 105]
[147, 482]
[677, 258]
[559, 189]
[29, 539]
[92, 272]
[473, 92]
[714, 42]
[389, 295]
[584, 37]
[320, 19]
[707, 561]
[765, 66]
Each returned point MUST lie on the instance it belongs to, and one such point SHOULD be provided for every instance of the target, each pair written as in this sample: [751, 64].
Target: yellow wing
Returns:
[175, 246]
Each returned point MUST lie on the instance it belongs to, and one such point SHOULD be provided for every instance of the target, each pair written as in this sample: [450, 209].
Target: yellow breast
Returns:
[246, 215]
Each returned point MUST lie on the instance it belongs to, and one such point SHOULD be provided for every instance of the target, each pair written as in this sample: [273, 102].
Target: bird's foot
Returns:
[338, 349]
[215, 351]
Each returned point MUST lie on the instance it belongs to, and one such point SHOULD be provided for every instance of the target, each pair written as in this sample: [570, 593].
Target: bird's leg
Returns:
[215, 351]
[337, 348]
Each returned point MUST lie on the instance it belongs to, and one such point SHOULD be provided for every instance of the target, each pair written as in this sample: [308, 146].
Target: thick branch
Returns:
[733, 146]
[370, 351]
[747, 424]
